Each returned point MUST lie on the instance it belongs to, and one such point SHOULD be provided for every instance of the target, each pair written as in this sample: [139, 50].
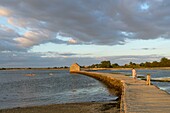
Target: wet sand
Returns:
[89, 107]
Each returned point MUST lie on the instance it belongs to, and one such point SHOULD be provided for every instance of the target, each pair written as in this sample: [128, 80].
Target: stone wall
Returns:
[114, 83]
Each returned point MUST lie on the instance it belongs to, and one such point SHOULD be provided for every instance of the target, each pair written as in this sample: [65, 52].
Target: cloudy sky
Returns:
[43, 33]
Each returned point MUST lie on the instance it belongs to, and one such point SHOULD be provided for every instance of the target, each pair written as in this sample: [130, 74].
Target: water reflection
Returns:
[18, 90]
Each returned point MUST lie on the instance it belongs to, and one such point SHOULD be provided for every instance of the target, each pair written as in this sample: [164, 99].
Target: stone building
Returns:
[74, 68]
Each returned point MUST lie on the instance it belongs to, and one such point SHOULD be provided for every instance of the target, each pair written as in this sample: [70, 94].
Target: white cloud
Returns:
[4, 11]
[24, 42]
[72, 41]
[18, 22]
[36, 37]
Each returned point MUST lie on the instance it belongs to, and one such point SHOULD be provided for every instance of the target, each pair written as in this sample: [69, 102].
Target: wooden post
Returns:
[148, 79]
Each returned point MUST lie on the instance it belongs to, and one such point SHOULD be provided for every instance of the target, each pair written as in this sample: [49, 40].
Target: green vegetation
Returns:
[164, 62]
[103, 64]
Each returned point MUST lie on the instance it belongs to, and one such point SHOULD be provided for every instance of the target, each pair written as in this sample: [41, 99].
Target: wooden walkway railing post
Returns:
[148, 79]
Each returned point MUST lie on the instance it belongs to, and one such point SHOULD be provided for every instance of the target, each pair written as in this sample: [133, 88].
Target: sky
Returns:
[52, 33]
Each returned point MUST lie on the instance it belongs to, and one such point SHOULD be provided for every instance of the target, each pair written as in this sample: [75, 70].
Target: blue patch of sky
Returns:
[62, 38]
[144, 6]
[4, 21]
[127, 34]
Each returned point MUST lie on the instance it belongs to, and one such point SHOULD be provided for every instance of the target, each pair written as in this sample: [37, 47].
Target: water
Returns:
[154, 74]
[48, 87]
[55, 87]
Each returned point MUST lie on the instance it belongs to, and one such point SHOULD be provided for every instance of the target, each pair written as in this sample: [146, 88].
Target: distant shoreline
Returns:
[2, 69]
[88, 69]
[152, 68]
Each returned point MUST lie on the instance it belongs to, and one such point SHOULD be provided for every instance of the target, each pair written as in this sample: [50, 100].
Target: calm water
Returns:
[154, 74]
[54, 87]
[48, 87]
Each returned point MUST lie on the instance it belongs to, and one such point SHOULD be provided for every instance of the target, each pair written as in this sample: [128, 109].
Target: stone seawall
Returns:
[110, 81]
[117, 84]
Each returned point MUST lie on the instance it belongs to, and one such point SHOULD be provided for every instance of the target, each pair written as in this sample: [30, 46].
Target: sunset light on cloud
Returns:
[44, 33]
[4, 12]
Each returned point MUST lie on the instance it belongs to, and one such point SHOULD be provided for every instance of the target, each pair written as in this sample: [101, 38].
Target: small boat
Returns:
[30, 75]
[50, 74]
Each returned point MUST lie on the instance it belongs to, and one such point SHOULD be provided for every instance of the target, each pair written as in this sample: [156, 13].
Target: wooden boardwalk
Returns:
[137, 97]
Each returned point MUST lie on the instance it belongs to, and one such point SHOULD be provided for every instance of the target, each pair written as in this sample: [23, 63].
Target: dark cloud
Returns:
[145, 49]
[51, 54]
[148, 48]
[104, 22]
[6, 39]
[73, 54]
[68, 54]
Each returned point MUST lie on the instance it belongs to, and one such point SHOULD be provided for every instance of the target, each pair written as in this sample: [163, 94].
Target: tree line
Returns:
[164, 62]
